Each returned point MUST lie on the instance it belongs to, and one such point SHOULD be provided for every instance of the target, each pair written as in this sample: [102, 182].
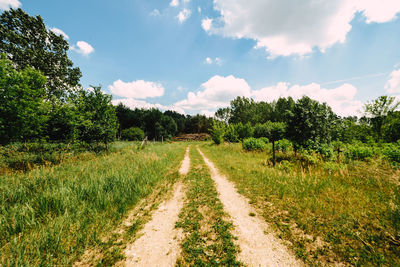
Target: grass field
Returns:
[330, 213]
[50, 215]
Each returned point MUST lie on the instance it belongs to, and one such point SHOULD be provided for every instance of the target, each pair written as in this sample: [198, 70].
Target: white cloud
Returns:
[184, 15]
[217, 92]
[7, 4]
[199, 9]
[340, 99]
[83, 48]
[174, 3]
[138, 89]
[206, 24]
[134, 103]
[393, 85]
[210, 61]
[289, 27]
[60, 32]
[155, 13]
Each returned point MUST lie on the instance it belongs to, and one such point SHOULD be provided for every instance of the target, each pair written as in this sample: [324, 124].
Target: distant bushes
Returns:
[254, 144]
[132, 134]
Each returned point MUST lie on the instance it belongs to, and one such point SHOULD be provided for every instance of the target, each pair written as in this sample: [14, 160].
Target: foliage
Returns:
[217, 132]
[359, 152]
[132, 134]
[23, 111]
[311, 123]
[283, 145]
[254, 144]
[27, 42]
[378, 109]
[96, 117]
[261, 130]
[244, 130]
[231, 134]
[392, 151]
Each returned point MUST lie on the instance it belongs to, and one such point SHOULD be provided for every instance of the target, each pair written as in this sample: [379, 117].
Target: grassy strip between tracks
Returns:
[208, 240]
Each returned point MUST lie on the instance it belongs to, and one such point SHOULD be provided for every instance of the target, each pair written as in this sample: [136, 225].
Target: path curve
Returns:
[257, 248]
[159, 244]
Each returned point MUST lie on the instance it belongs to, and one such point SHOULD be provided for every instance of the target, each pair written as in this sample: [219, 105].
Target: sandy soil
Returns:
[257, 247]
[159, 243]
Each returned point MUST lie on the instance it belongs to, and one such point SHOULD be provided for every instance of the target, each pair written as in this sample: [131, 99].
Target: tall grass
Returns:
[51, 215]
[330, 212]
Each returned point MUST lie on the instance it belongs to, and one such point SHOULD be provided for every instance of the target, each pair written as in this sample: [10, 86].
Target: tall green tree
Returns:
[97, 119]
[276, 132]
[27, 42]
[311, 123]
[378, 109]
[23, 111]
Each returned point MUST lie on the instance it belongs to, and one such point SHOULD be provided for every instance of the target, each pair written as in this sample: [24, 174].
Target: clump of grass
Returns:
[208, 241]
[332, 212]
[49, 216]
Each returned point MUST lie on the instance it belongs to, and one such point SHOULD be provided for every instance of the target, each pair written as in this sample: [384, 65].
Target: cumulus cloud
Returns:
[208, 60]
[340, 99]
[288, 27]
[83, 48]
[174, 3]
[134, 103]
[7, 4]
[183, 15]
[138, 89]
[60, 32]
[393, 85]
[216, 92]
[206, 24]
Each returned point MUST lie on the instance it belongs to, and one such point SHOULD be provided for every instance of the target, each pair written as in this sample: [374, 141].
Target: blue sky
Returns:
[194, 56]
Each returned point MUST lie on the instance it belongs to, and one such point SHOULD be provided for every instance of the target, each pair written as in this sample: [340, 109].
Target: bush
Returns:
[283, 145]
[231, 134]
[132, 134]
[359, 152]
[264, 139]
[218, 132]
[261, 130]
[392, 152]
[253, 144]
[244, 130]
[325, 150]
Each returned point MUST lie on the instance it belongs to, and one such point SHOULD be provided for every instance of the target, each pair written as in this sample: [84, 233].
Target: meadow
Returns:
[52, 214]
[330, 212]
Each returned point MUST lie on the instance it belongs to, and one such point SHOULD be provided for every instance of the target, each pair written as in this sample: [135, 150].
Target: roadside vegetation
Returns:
[346, 211]
[49, 216]
[208, 240]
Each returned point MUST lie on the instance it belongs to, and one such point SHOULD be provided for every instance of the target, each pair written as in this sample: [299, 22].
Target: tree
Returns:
[132, 134]
[97, 120]
[242, 110]
[23, 111]
[311, 123]
[276, 132]
[27, 42]
[223, 114]
[391, 127]
[378, 109]
[217, 132]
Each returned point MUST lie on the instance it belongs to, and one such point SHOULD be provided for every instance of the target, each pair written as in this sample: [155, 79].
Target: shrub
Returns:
[132, 134]
[392, 152]
[283, 145]
[218, 132]
[325, 150]
[261, 130]
[231, 134]
[359, 152]
[254, 144]
[244, 130]
[264, 139]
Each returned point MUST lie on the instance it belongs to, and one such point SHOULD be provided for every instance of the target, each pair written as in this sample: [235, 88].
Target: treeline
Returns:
[40, 95]
[308, 123]
[156, 125]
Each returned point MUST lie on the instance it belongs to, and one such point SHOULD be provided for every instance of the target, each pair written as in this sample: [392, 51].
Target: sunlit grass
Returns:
[330, 212]
[51, 215]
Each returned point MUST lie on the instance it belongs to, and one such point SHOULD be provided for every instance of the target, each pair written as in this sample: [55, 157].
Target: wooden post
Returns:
[144, 142]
